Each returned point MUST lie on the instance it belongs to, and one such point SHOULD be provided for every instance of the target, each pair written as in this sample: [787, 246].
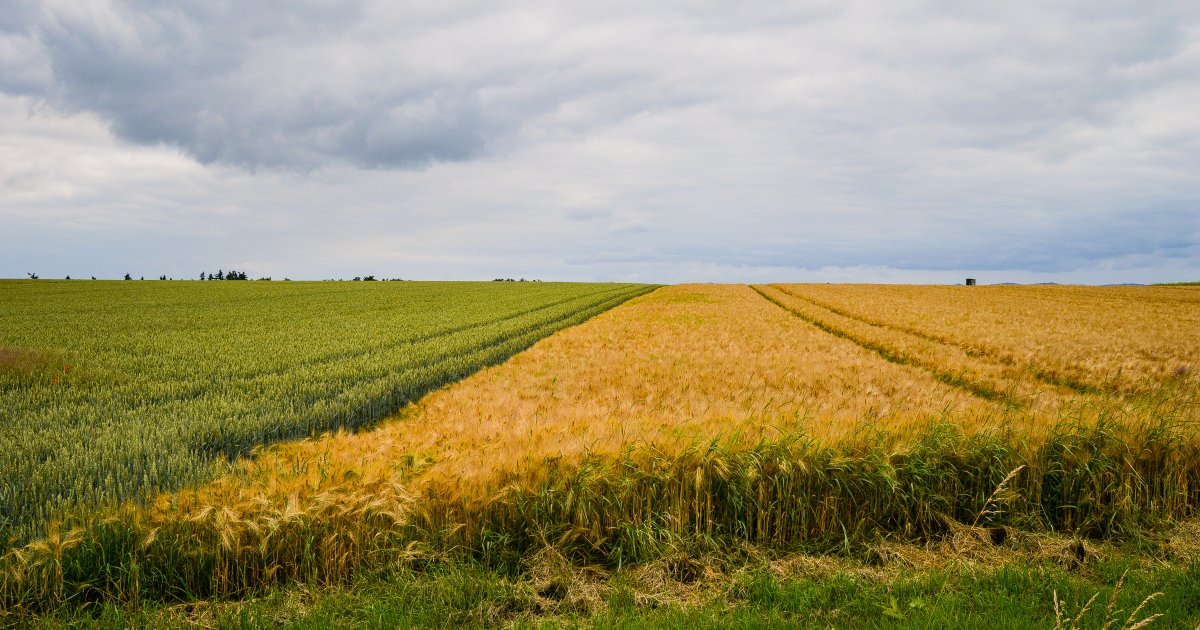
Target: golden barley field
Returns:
[687, 363]
[774, 414]
[701, 361]
[1125, 338]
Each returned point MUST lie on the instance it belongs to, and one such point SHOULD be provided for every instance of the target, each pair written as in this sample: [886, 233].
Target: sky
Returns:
[876, 141]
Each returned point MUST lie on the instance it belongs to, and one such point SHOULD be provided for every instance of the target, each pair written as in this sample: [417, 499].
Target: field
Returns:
[890, 426]
[118, 391]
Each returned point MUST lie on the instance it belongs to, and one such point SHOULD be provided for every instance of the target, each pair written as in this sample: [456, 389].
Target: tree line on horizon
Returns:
[230, 275]
[234, 274]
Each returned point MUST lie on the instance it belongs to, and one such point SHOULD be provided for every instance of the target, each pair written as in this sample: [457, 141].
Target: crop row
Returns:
[1090, 339]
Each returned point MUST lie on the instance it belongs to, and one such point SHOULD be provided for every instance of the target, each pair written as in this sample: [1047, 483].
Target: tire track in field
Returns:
[983, 354]
[993, 382]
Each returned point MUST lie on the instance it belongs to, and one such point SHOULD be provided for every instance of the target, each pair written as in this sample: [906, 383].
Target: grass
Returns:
[739, 588]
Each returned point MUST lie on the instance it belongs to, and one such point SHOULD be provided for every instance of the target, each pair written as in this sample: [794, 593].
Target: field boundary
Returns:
[444, 332]
[589, 300]
[225, 426]
[499, 348]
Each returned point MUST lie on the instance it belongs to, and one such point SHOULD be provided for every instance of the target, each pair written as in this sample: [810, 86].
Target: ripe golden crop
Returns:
[1127, 339]
[774, 414]
[695, 362]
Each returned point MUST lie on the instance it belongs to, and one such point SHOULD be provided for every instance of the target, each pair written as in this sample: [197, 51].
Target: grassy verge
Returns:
[944, 586]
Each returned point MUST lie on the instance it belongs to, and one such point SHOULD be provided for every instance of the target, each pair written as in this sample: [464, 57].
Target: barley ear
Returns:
[995, 495]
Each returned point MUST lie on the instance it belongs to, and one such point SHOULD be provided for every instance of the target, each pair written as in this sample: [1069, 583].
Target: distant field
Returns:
[1085, 339]
[692, 418]
[113, 391]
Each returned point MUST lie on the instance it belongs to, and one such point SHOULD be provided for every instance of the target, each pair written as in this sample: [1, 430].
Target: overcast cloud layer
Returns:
[828, 141]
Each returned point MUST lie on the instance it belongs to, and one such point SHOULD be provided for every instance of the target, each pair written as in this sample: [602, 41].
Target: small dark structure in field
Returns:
[970, 282]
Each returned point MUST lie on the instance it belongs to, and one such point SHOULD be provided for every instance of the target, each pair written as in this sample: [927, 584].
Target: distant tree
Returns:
[220, 275]
[201, 275]
[68, 277]
[369, 278]
[93, 277]
[128, 277]
[141, 277]
[32, 276]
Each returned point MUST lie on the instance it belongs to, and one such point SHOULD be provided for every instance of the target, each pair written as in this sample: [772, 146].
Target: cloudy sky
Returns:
[877, 141]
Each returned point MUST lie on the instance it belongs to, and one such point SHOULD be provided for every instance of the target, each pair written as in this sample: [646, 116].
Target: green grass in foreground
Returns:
[801, 592]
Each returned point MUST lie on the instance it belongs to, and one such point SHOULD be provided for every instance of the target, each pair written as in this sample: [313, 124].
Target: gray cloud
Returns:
[634, 139]
[297, 84]
[270, 84]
